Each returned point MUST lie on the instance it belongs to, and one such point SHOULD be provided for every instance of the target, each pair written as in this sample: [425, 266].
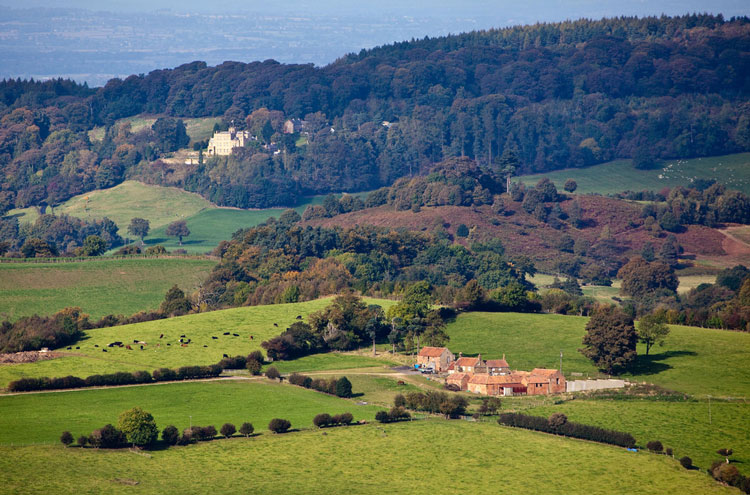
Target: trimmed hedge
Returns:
[568, 429]
[323, 420]
[114, 379]
[340, 387]
[396, 413]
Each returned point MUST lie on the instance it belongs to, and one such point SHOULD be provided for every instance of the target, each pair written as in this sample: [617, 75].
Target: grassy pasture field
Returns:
[208, 223]
[159, 205]
[257, 321]
[99, 286]
[694, 360]
[39, 418]
[684, 426]
[399, 458]
[619, 175]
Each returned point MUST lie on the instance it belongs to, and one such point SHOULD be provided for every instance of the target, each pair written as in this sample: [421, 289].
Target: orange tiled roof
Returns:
[432, 351]
[543, 371]
[467, 361]
[497, 363]
[458, 377]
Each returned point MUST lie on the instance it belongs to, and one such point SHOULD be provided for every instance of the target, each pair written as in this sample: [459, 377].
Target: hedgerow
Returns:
[568, 429]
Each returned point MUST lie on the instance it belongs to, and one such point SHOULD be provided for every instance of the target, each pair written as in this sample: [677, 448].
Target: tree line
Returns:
[558, 95]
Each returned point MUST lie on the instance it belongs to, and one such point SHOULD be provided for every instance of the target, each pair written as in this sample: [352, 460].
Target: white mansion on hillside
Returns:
[224, 142]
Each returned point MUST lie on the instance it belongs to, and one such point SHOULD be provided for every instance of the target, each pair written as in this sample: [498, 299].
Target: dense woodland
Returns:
[559, 95]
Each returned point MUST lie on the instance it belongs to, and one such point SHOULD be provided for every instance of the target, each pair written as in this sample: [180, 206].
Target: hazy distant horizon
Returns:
[94, 41]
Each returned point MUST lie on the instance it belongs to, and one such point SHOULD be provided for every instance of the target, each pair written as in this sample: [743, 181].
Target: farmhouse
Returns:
[497, 385]
[437, 358]
[490, 377]
[222, 143]
[466, 365]
[460, 380]
[545, 381]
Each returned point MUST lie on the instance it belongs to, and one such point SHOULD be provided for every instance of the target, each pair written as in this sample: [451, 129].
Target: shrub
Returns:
[655, 446]
[66, 438]
[107, 437]
[186, 438]
[556, 420]
[278, 425]
[686, 462]
[234, 363]
[256, 356]
[346, 418]
[343, 387]
[164, 375]
[170, 435]
[462, 230]
[322, 420]
[227, 430]
[399, 401]
[246, 429]
[669, 451]
[254, 367]
[727, 473]
[307, 382]
[83, 440]
[207, 433]
[296, 379]
[725, 453]
[382, 417]
[272, 373]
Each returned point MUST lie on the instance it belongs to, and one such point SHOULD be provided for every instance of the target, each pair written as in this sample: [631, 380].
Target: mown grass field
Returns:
[98, 286]
[619, 175]
[257, 321]
[411, 457]
[694, 360]
[38, 418]
[684, 426]
[159, 205]
[208, 224]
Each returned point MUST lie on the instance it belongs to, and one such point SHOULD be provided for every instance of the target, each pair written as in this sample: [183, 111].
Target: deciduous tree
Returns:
[610, 340]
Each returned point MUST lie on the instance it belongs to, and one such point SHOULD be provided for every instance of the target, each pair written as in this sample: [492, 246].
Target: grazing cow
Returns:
[180, 341]
[96, 345]
[204, 345]
[236, 334]
[161, 336]
[135, 341]
[215, 338]
[251, 337]
[276, 324]
[104, 350]
[168, 343]
[299, 317]
[226, 333]
[69, 348]
[77, 347]
[226, 356]
[141, 347]
[183, 345]
[182, 336]
[128, 347]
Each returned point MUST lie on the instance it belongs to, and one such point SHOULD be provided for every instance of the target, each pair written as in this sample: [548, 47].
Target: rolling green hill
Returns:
[619, 175]
[35, 418]
[98, 286]
[257, 321]
[400, 458]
